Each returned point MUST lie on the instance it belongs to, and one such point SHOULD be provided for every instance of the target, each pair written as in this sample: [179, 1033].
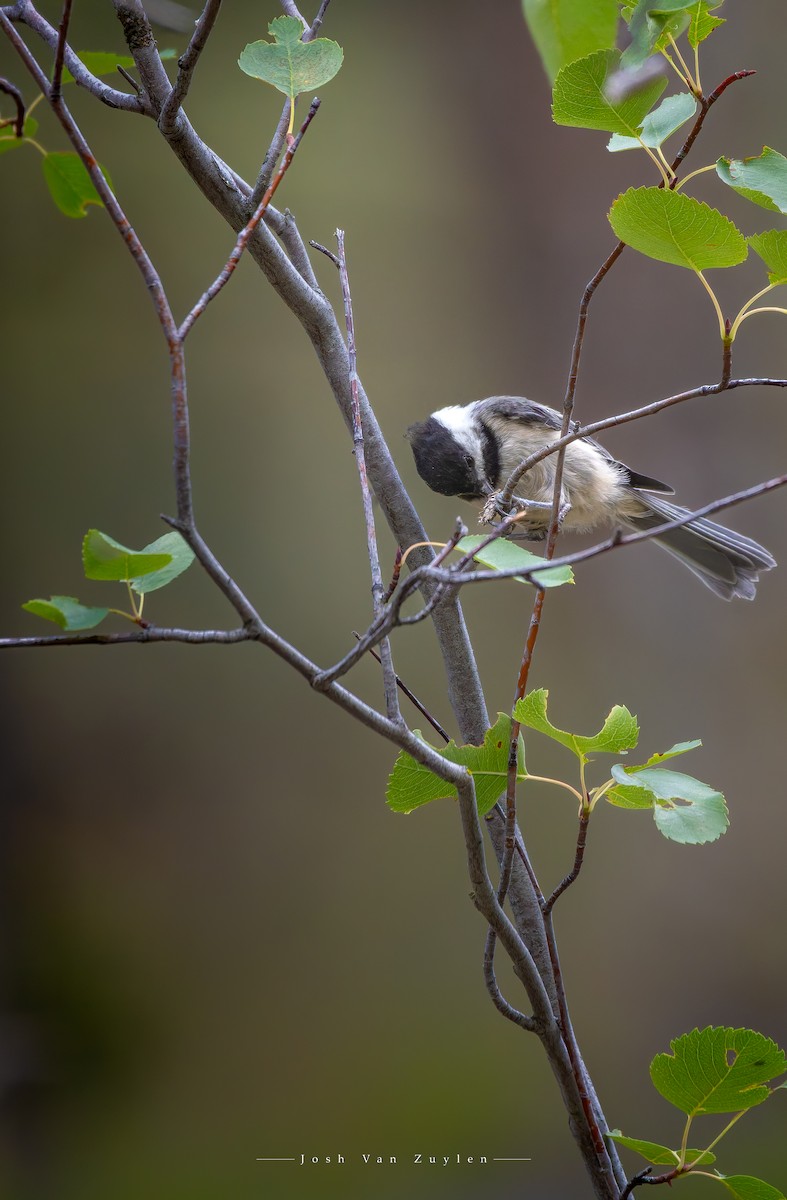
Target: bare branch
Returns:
[13, 91]
[25, 13]
[584, 820]
[187, 64]
[247, 231]
[457, 579]
[389, 675]
[498, 999]
[151, 633]
[291, 10]
[62, 36]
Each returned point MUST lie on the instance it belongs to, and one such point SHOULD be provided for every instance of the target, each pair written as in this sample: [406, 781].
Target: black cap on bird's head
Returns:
[442, 462]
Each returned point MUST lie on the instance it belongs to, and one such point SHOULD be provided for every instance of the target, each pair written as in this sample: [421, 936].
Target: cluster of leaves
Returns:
[69, 184]
[597, 87]
[141, 571]
[684, 809]
[712, 1071]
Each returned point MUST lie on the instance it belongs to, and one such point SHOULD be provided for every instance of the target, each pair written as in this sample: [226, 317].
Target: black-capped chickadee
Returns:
[469, 451]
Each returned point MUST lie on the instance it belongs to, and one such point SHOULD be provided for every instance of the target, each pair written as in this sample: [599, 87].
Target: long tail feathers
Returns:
[726, 562]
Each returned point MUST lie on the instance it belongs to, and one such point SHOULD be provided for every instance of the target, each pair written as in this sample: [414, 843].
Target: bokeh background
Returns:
[217, 942]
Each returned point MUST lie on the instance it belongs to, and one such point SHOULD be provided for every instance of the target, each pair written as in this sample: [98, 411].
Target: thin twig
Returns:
[440, 575]
[245, 234]
[187, 64]
[389, 674]
[318, 20]
[584, 820]
[25, 13]
[292, 11]
[62, 36]
[13, 91]
[493, 988]
[151, 633]
[636, 414]
[129, 78]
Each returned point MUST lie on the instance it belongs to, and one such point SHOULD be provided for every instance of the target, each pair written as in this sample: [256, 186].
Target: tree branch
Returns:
[187, 64]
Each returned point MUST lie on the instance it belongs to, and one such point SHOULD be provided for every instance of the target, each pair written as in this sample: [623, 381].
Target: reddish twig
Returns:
[246, 233]
[18, 122]
[584, 821]
[62, 36]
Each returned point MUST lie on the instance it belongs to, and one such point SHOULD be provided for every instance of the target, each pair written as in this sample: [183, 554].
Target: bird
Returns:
[470, 450]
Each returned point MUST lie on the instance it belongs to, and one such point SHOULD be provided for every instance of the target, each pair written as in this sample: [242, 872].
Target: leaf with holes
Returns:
[717, 1070]
[503, 555]
[412, 785]
[619, 732]
[67, 612]
[289, 64]
[763, 179]
[684, 809]
[677, 229]
[579, 98]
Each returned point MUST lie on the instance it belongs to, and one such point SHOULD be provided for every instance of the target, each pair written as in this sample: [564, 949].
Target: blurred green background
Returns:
[217, 943]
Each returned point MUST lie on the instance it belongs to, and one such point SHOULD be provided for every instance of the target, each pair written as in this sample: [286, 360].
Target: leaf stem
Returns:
[742, 316]
[692, 82]
[724, 1131]
[716, 305]
[684, 1142]
[699, 171]
[688, 82]
[657, 162]
[548, 779]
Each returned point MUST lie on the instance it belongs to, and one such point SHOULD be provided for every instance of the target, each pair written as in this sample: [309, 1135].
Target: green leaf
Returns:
[717, 1070]
[104, 62]
[772, 249]
[679, 748]
[289, 64]
[69, 183]
[662, 1156]
[503, 555]
[684, 809]
[181, 557]
[579, 98]
[763, 179]
[702, 24]
[650, 21]
[104, 558]
[677, 229]
[746, 1187]
[565, 30]
[629, 796]
[659, 124]
[411, 785]
[8, 138]
[67, 612]
[619, 732]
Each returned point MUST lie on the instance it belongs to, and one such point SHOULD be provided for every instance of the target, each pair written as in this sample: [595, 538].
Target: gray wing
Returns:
[519, 408]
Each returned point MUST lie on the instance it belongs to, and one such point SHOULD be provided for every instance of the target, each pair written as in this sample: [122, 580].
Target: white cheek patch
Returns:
[458, 421]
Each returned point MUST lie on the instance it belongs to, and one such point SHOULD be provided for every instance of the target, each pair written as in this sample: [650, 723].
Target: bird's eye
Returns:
[468, 459]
